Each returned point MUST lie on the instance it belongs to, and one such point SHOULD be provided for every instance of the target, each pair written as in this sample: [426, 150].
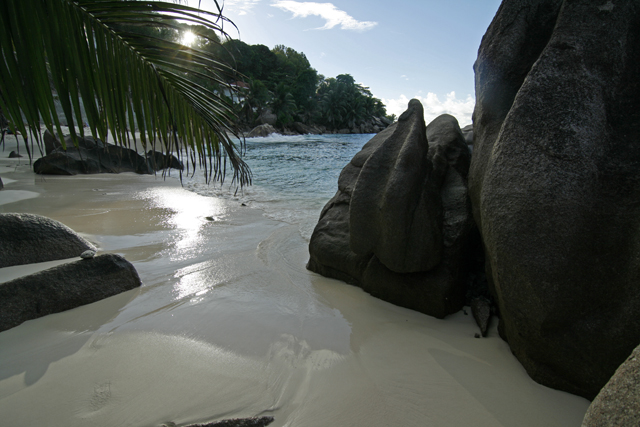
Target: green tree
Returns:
[256, 98]
[88, 51]
[297, 91]
[346, 104]
[295, 70]
[283, 105]
[304, 93]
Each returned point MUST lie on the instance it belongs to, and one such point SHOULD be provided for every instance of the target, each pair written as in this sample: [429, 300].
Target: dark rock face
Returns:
[392, 213]
[555, 184]
[64, 287]
[27, 238]
[618, 403]
[399, 223]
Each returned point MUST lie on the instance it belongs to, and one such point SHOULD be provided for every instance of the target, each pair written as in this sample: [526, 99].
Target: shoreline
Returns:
[230, 324]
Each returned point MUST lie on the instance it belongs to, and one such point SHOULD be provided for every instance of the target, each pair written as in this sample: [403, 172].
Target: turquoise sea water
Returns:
[293, 176]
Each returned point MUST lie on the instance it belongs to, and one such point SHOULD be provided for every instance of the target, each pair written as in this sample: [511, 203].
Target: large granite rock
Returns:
[618, 403]
[261, 131]
[395, 211]
[555, 184]
[28, 238]
[64, 287]
[399, 224]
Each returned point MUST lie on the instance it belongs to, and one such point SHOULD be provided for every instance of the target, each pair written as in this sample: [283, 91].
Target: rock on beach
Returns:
[95, 156]
[64, 287]
[400, 222]
[555, 184]
[27, 238]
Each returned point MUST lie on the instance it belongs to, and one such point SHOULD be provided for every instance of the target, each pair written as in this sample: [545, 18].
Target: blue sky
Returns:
[421, 49]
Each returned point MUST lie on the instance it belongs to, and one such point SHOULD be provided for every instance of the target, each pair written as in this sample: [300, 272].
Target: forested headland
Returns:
[279, 87]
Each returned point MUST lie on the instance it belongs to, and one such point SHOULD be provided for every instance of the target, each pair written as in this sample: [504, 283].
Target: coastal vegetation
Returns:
[279, 86]
[282, 81]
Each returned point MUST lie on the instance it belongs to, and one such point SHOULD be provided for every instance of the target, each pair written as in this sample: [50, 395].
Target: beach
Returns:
[228, 323]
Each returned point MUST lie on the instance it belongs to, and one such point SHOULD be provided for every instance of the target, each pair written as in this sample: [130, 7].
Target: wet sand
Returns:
[229, 324]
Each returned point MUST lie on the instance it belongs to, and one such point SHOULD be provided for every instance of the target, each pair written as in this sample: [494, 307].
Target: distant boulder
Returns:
[52, 143]
[555, 184]
[94, 156]
[90, 156]
[27, 238]
[399, 224]
[14, 155]
[261, 131]
[79, 160]
[159, 161]
[64, 287]
[303, 129]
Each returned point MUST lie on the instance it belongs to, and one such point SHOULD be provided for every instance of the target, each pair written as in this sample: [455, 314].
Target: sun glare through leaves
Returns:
[188, 38]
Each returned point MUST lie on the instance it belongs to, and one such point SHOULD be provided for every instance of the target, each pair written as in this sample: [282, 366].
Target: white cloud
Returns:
[433, 106]
[240, 6]
[326, 11]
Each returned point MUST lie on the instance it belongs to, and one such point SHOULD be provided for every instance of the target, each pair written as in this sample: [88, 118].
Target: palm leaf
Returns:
[84, 51]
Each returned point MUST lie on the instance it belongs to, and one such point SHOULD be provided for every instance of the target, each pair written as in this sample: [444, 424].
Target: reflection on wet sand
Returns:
[229, 324]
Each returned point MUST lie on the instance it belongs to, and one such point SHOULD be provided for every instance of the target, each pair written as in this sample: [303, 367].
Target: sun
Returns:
[188, 38]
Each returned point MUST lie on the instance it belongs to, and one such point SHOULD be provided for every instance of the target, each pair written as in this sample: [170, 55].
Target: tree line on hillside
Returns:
[282, 82]
[278, 86]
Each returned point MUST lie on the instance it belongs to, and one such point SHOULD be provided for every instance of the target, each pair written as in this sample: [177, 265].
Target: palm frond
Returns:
[84, 54]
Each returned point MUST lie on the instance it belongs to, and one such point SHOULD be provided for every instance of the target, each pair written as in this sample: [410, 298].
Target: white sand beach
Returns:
[229, 324]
